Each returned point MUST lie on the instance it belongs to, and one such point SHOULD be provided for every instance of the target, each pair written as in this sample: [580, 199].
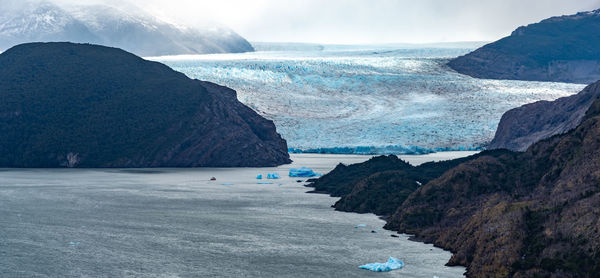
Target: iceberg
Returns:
[273, 176]
[302, 172]
[391, 264]
[259, 177]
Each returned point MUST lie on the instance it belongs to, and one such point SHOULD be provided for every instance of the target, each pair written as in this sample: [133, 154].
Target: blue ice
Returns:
[273, 176]
[371, 101]
[259, 177]
[391, 264]
[302, 172]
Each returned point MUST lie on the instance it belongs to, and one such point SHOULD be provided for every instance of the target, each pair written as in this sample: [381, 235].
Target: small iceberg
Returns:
[302, 172]
[273, 176]
[360, 226]
[259, 177]
[391, 264]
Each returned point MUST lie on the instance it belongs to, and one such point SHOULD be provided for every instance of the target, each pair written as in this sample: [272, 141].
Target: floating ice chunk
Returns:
[259, 177]
[73, 243]
[391, 264]
[273, 176]
[226, 183]
[360, 226]
[264, 183]
[302, 172]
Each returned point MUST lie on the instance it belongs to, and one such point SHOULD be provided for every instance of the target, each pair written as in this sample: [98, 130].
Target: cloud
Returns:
[358, 21]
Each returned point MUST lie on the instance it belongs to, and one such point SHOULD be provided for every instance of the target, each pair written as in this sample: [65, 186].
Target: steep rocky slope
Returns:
[564, 49]
[134, 31]
[519, 128]
[380, 184]
[509, 214]
[80, 105]
[502, 213]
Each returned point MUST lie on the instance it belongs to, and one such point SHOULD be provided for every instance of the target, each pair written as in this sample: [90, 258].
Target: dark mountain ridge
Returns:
[560, 49]
[81, 105]
[520, 127]
[502, 213]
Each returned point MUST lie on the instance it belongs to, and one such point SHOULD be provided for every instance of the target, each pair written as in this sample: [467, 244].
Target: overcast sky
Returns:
[361, 21]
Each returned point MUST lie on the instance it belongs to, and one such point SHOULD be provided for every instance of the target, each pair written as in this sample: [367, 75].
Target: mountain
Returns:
[133, 31]
[561, 49]
[81, 105]
[520, 127]
[378, 185]
[511, 214]
[501, 213]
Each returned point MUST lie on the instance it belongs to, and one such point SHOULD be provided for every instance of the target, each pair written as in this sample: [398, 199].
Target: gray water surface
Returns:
[177, 223]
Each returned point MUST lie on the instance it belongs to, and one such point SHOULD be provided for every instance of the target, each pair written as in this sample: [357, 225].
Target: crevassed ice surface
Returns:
[386, 99]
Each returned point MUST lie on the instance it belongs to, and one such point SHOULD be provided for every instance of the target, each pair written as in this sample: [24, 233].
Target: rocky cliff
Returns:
[510, 214]
[519, 128]
[562, 49]
[379, 185]
[80, 105]
[502, 213]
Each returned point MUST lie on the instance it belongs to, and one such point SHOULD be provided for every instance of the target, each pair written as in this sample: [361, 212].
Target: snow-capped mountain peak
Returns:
[134, 30]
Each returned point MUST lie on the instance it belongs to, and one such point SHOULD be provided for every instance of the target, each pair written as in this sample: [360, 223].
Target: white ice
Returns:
[379, 100]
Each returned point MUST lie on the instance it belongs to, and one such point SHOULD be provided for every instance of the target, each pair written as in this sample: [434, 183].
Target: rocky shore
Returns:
[501, 213]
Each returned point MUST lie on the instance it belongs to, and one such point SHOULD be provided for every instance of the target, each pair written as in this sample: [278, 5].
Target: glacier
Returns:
[391, 264]
[368, 99]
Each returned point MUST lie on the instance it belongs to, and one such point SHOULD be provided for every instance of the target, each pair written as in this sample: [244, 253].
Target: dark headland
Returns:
[561, 49]
[82, 105]
[502, 213]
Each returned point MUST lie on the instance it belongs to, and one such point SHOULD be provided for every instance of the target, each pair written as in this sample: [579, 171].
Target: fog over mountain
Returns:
[126, 27]
[360, 21]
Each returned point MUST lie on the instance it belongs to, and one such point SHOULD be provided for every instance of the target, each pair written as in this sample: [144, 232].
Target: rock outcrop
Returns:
[511, 214]
[561, 49]
[379, 185]
[81, 105]
[520, 127]
[502, 213]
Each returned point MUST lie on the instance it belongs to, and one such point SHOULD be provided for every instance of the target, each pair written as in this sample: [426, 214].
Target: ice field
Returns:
[368, 99]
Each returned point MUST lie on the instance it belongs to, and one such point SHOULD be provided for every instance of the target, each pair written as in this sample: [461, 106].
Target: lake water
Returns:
[368, 99]
[177, 223]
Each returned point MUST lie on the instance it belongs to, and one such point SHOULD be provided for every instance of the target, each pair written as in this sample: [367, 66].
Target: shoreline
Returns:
[235, 211]
[414, 160]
